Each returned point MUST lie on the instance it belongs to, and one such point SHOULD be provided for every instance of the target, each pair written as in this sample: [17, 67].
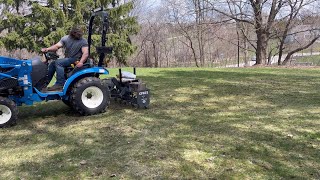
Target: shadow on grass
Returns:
[203, 124]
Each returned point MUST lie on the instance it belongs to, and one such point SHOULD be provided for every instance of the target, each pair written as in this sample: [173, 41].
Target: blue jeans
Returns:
[58, 66]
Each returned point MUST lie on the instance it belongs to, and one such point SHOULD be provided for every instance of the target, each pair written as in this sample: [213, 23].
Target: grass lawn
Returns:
[315, 60]
[249, 123]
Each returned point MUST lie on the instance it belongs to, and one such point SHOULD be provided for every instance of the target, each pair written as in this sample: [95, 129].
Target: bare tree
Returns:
[198, 32]
[193, 23]
[178, 14]
[259, 13]
[295, 27]
[150, 38]
[265, 16]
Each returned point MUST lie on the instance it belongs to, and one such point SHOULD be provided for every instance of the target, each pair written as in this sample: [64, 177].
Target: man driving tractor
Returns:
[76, 49]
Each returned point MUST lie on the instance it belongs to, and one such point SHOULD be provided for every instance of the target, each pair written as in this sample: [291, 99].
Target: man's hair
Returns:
[76, 32]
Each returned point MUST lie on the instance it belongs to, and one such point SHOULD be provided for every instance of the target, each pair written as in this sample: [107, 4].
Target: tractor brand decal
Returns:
[143, 93]
[24, 79]
[9, 62]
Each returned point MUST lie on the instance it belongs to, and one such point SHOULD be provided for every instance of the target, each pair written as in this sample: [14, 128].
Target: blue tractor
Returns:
[21, 82]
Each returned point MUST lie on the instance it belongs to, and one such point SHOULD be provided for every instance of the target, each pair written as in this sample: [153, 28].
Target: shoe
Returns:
[55, 87]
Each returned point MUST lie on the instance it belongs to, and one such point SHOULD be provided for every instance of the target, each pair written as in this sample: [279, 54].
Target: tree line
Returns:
[31, 25]
[214, 33]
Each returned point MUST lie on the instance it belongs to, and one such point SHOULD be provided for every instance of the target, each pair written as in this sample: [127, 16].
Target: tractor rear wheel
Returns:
[89, 96]
[8, 112]
[66, 102]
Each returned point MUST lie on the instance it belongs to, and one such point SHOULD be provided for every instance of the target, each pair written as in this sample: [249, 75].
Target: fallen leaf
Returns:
[83, 162]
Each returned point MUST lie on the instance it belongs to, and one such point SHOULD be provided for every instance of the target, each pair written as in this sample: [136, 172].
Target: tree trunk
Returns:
[262, 44]
[199, 20]
[244, 35]
[65, 7]
[194, 53]
[156, 57]
[270, 58]
[146, 58]
[280, 52]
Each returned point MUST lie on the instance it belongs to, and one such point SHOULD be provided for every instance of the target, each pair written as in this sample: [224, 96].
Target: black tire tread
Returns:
[75, 91]
[66, 102]
[14, 111]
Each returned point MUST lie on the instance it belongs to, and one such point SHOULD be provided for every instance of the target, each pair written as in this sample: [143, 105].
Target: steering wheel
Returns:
[51, 56]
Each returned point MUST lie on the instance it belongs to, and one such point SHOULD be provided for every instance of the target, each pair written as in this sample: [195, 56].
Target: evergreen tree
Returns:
[44, 25]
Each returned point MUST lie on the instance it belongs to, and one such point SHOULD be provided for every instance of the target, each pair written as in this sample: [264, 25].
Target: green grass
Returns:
[252, 123]
[315, 60]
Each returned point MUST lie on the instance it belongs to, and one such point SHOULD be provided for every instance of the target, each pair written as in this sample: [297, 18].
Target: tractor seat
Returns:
[127, 77]
[125, 80]
[69, 71]
[87, 64]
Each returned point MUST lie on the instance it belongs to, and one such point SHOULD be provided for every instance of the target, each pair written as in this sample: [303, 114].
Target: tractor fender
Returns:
[71, 80]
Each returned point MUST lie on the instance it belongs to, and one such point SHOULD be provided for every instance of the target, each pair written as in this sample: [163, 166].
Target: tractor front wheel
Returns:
[89, 96]
[8, 112]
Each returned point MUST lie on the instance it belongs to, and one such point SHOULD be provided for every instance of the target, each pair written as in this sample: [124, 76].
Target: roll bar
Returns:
[102, 50]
